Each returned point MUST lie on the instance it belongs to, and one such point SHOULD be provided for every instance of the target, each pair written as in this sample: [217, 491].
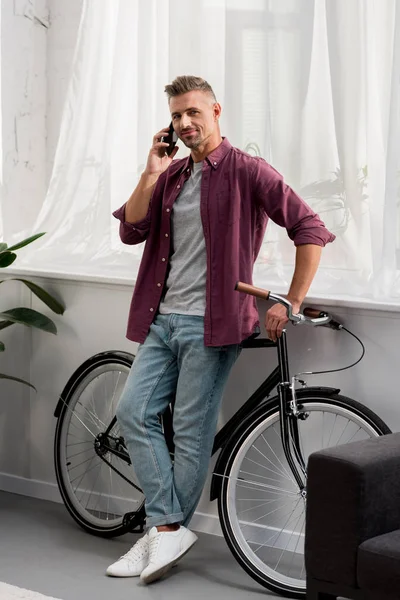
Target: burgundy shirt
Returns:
[239, 193]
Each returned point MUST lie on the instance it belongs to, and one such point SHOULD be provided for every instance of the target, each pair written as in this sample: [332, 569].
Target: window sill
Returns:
[73, 277]
[339, 301]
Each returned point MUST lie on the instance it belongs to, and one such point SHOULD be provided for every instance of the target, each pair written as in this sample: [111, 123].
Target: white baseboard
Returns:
[206, 524]
[43, 490]
[30, 487]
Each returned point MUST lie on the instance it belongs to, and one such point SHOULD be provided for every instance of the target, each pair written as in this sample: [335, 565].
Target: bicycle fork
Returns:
[288, 418]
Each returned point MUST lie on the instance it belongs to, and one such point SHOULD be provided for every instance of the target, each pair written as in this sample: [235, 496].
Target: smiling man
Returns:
[203, 219]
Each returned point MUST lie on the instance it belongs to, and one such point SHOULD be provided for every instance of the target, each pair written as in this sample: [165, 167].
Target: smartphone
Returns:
[170, 139]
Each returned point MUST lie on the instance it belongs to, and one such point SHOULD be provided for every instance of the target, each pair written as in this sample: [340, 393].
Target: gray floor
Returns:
[41, 549]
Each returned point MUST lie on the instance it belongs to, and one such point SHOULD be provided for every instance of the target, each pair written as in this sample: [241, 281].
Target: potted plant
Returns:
[22, 315]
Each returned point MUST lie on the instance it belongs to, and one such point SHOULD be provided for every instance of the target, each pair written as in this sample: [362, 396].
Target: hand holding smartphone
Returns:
[170, 139]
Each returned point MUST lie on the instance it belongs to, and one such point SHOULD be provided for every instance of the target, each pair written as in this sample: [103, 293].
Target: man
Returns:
[203, 219]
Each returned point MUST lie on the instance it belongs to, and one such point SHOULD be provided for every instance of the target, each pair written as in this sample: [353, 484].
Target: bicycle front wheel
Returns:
[261, 508]
[98, 486]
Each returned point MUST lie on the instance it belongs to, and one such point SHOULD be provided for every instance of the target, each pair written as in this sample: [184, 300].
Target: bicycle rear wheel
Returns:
[261, 508]
[97, 485]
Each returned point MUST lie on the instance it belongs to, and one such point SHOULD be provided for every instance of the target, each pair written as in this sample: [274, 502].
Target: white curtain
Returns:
[311, 85]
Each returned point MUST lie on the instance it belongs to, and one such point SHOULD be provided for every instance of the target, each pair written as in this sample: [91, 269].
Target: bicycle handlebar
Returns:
[311, 316]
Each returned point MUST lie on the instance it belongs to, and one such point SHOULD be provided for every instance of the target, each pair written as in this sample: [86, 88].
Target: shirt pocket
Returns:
[227, 206]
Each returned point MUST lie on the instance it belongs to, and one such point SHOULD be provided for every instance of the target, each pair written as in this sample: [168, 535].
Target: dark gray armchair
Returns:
[352, 544]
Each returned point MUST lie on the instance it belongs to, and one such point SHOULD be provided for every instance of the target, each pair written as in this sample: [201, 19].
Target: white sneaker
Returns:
[166, 548]
[133, 562]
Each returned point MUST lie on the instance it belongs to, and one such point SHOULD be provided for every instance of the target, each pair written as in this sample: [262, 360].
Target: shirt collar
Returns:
[214, 158]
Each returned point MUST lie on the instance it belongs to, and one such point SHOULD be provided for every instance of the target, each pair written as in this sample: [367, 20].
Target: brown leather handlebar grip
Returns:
[253, 291]
[313, 313]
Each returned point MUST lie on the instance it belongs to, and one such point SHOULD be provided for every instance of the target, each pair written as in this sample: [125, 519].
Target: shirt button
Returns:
[167, 209]
[158, 284]
[152, 309]
[178, 186]
[166, 235]
[215, 163]
[163, 259]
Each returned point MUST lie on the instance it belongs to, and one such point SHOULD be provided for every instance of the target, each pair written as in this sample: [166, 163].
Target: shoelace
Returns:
[137, 552]
[153, 546]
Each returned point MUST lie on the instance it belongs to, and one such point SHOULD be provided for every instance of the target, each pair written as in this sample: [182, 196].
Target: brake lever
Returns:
[297, 319]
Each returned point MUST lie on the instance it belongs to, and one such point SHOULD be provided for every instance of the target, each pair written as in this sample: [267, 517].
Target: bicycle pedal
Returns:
[132, 522]
[138, 529]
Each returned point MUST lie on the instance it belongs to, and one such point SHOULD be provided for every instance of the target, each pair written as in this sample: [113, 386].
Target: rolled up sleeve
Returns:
[287, 209]
[132, 233]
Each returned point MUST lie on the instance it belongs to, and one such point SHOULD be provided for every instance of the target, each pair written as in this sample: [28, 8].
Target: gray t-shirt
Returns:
[186, 283]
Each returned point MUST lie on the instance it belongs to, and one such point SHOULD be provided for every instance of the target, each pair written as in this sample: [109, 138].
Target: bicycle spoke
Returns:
[82, 423]
[278, 533]
[81, 463]
[287, 544]
[289, 475]
[113, 397]
[255, 499]
[77, 454]
[94, 485]
[338, 442]
[93, 417]
[294, 553]
[240, 512]
[333, 427]
[262, 466]
[76, 437]
[83, 475]
[271, 512]
[270, 461]
[353, 436]
[79, 443]
[261, 476]
[280, 494]
[271, 488]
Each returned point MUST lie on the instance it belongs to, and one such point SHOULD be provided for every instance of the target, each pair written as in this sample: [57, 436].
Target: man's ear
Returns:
[217, 110]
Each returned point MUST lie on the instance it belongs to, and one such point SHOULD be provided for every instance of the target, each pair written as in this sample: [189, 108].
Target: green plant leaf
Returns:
[29, 317]
[3, 247]
[25, 242]
[6, 259]
[17, 379]
[2, 347]
[4, 324]
[44, 296]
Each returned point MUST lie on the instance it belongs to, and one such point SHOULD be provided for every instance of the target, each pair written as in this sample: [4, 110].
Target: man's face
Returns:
[195, 117]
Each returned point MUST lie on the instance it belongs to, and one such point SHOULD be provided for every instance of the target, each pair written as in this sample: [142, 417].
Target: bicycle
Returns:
[259, 478]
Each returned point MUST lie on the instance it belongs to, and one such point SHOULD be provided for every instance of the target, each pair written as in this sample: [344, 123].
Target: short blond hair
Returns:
[188, 83]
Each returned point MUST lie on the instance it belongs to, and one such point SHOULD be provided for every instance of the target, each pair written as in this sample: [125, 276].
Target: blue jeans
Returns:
[174, 362]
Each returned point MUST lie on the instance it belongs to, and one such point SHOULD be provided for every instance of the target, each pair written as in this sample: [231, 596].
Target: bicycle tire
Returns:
[91, 371]
[254, 428]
